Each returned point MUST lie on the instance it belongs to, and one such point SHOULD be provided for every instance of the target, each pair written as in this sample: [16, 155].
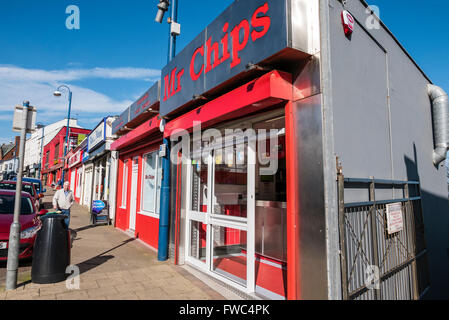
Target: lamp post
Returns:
[173, 34]
[175, 28]
[174, 31]
[41, 126]
[14, 233]
[58, 93]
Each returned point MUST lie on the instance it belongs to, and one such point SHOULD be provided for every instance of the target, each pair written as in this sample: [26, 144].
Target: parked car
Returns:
[37, 185]
[26, 187]
[10, 176]
[29, 221]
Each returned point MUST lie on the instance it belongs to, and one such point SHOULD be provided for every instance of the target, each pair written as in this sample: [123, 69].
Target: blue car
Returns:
[37, 185]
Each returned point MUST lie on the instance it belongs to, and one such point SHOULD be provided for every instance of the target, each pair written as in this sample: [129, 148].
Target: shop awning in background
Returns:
[144, 130]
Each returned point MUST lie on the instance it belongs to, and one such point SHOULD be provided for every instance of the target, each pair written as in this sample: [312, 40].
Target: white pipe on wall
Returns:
[440, 112]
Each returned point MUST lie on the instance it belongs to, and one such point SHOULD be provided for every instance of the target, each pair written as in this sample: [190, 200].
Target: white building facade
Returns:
[36, 142]
[99, 180]
[8, 167]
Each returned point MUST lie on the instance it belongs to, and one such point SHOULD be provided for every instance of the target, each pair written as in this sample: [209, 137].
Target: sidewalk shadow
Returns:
[22, 263]
[90, 226]
[74, 232]
[100, 259]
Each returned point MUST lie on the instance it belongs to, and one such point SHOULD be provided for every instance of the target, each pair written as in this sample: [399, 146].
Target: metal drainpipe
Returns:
[440, 112]
[164, 217]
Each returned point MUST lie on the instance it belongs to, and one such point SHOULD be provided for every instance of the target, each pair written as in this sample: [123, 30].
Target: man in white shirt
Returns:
[63, 201]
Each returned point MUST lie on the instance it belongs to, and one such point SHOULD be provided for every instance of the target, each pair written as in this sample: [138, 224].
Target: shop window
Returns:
[199, 186]
[100, 181]
[230, 181]
[125, 183]
[56, 157]
[79, 184]
[200, 171]
[271, 195]
[229, 253]
[151, 183]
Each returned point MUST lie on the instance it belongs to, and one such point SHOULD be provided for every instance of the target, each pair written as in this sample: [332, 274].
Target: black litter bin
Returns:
[51, 254]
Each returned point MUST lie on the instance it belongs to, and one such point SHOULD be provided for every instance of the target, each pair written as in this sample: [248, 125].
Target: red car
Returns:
[29, 221]
[26, 187]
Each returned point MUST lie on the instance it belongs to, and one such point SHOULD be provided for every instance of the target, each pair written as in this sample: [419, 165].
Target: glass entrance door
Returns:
[198, 210]
[221, 206]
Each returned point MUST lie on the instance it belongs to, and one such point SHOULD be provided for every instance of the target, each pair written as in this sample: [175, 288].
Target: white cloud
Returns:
[13, 73]
[41, 96]
[6, 140]
[37, 86]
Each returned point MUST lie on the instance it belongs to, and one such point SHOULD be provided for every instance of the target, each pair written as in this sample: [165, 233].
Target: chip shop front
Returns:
[228, 106]
[230, 100]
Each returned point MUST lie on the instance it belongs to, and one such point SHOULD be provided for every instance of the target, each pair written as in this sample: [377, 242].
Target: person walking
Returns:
[63, 201]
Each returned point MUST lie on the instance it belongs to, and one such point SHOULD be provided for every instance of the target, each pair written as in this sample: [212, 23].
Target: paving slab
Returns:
[73, 295]
[112, 266]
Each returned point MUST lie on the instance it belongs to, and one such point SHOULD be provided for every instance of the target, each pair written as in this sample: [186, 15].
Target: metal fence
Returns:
[377, 265]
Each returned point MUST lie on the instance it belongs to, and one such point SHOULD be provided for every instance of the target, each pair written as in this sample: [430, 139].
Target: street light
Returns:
[41, 126]
[14, 232]
[162, 8]
[175, 30]
[58, 93]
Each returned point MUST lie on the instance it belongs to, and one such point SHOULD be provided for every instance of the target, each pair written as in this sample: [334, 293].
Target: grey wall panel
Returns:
[361, 124]
[357, 68]
[412, 144]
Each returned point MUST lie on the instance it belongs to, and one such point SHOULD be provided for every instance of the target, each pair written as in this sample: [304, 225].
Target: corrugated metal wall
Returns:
[382, 125]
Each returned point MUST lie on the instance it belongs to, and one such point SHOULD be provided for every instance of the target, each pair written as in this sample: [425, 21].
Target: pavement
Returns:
[112, 266]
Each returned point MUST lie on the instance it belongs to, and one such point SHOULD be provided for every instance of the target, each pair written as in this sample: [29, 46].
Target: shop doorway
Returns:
[88, 186]
[219, 210]
[79, 184]
[236, 214]
[72, 179]
[133, 199]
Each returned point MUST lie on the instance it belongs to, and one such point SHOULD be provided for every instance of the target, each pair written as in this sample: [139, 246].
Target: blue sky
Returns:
[119, 50]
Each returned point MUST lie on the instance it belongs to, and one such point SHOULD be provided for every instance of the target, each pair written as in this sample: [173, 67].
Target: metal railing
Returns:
[366, 246]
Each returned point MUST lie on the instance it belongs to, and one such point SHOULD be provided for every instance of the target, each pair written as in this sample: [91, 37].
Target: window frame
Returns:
[155, 213]
[57, 151]
[125, 174]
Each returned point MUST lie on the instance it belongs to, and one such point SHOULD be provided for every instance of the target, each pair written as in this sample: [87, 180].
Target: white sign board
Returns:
[97, 136]
[18, 119]
[395, 221]
[75, 159]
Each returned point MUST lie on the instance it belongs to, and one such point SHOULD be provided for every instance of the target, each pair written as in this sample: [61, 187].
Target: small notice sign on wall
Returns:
[395, 221]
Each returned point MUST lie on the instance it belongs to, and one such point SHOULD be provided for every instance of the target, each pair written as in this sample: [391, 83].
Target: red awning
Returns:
[272, 88]
[144, 130]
